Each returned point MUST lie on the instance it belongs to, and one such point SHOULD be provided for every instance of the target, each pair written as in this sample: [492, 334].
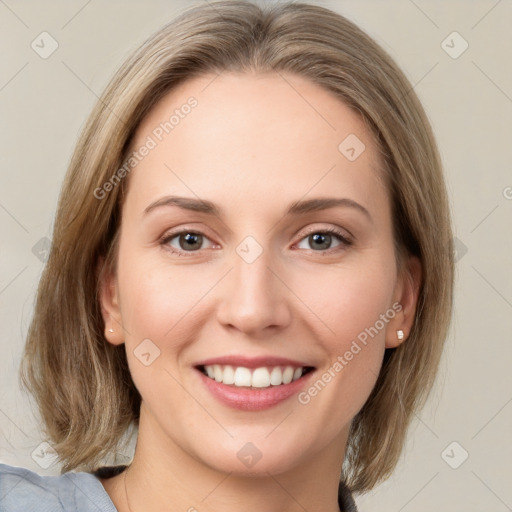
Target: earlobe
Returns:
[407, 295]
[109, 303]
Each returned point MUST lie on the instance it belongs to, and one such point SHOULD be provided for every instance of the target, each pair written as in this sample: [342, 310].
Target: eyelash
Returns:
[345, 242]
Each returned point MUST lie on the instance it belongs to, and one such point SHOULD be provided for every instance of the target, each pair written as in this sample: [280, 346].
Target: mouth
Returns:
[253, 383]
[254, 378]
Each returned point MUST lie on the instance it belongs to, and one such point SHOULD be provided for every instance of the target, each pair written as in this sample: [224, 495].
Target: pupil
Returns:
[323, 240]
[189, 240]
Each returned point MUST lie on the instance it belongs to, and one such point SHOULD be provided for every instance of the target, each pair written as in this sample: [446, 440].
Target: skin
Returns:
[253, 145]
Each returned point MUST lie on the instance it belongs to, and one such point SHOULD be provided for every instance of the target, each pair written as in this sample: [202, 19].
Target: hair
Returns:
[82, 384]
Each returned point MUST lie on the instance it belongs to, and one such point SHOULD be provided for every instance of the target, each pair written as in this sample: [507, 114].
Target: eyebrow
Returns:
[297, 208]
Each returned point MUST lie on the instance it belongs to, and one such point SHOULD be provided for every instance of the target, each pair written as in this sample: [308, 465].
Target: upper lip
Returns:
[252, 362]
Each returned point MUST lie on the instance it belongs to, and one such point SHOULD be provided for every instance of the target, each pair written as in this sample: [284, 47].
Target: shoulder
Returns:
[22, 489]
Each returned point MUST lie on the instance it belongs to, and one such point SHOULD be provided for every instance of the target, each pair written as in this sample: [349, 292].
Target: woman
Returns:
[252, 264]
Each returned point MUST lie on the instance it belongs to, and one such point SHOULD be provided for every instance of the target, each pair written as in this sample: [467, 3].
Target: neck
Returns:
[165, 477]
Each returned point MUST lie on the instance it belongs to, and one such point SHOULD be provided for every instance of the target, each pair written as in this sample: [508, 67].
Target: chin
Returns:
[252, 458]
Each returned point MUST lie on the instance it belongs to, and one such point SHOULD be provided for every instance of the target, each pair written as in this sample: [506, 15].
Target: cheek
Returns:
[157, 297]
[352, 309]
[348, 299]
[158, 305]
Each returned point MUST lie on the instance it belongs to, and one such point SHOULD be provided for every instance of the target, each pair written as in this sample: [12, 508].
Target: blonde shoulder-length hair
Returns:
[81, 383]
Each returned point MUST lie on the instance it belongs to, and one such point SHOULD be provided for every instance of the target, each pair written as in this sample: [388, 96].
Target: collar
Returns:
[345, 500]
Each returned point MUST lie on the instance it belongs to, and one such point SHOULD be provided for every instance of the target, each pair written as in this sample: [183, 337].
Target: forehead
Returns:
[254, 134]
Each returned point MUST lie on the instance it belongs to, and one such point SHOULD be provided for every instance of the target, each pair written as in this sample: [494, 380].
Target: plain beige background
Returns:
[468, 97]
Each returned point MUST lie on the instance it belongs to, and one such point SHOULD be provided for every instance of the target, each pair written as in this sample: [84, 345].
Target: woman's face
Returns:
[256, 234]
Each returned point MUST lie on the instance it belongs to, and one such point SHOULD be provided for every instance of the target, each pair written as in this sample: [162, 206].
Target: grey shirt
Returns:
[22, 490]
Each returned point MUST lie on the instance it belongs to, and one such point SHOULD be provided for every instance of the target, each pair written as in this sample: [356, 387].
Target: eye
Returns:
[319, 240]
[323, 240]
[184, 241]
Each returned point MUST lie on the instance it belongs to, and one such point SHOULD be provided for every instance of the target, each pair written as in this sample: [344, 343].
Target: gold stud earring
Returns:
[400, 334]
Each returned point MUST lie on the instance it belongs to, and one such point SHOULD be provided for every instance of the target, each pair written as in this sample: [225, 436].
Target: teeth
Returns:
[257, 378]
[260, 378]
[228, 376]
[276, 376]
[287, 375]
[242, 377]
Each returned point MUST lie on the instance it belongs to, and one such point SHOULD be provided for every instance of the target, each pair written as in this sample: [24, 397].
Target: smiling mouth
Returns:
[256, 378]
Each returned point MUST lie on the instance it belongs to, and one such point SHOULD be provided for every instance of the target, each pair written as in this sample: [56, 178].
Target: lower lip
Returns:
[253, 399]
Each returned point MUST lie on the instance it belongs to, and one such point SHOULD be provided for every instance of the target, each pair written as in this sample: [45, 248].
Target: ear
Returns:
[406, 294]
[109, 302]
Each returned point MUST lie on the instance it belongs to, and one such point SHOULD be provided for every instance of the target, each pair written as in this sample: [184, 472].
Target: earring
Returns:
[111, 330]
[400, 334]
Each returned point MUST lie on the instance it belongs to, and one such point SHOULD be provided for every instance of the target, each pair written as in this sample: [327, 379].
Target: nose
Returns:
[254, 297]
